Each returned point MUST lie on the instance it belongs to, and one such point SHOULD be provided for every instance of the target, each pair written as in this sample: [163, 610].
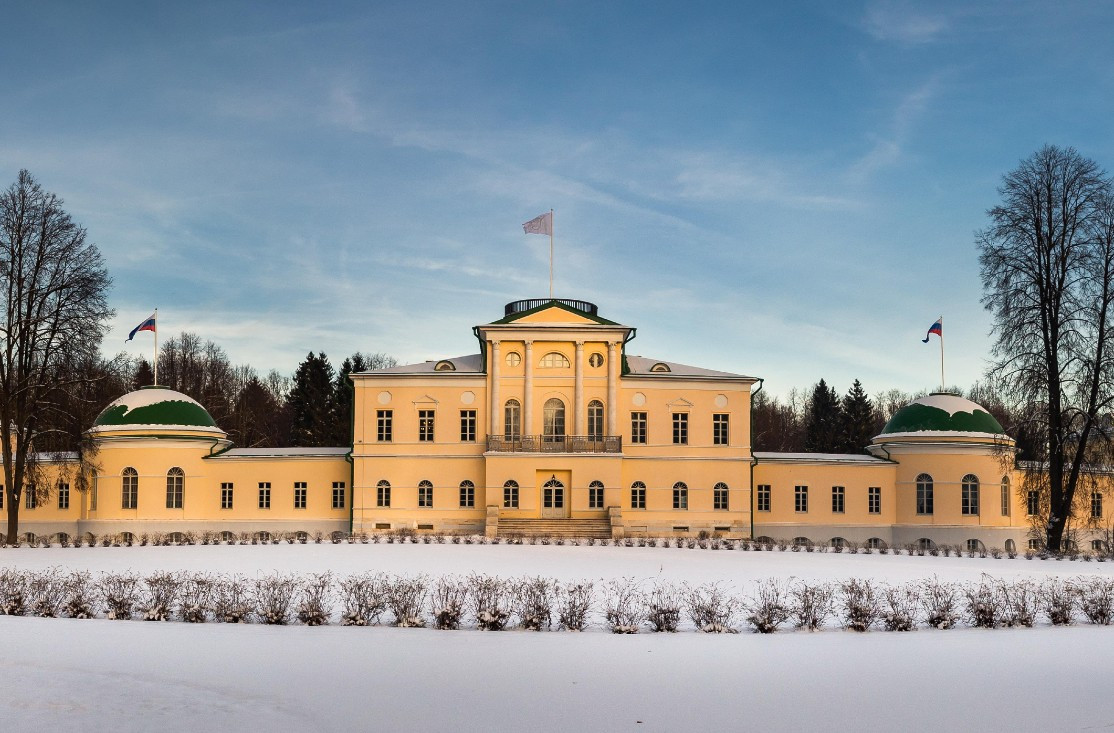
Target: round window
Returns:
[514, 359]
[595, 359]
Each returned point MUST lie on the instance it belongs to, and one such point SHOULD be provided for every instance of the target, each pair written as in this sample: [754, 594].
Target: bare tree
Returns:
[1048, 278]
[55, 314]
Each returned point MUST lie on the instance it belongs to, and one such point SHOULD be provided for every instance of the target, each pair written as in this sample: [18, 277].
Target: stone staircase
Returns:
[584, 528]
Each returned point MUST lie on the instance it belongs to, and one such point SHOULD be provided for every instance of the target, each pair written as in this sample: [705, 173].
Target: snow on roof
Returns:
[643, 366]
[856, 458]
[471, 363]
[301, 452]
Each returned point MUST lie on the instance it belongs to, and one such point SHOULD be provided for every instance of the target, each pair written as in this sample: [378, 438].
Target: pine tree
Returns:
[144, 375]
[859, 421]
[825, 417]
[312, 403]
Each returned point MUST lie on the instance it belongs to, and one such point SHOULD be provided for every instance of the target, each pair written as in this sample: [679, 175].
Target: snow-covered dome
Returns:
[942, 412]
[155, 408]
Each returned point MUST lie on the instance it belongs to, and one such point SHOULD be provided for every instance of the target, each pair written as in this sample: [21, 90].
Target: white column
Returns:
[493, 415]
[578, 391]
[528, 390]
[612, 427]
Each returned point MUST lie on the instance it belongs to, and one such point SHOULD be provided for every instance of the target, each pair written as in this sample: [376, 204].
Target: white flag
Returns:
[540, 224]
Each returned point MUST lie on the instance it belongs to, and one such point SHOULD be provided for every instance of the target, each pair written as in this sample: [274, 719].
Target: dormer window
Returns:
[661, 366]
[444, 366]
[555, 360]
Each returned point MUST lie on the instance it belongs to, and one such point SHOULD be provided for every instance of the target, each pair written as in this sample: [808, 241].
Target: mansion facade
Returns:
[554, 426]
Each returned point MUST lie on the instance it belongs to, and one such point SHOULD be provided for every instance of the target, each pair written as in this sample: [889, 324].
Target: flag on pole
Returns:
[541, 224]
[936, 328]
[148, 325]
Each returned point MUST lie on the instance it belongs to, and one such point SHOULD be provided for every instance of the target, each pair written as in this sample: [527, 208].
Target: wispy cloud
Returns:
[889, 144]
[902, 22]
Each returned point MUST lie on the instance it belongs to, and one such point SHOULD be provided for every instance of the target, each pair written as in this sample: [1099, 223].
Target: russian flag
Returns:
[147, 325]
[936, 328]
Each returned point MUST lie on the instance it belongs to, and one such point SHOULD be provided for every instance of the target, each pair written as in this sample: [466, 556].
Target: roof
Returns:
[943, 413]
[855, 458]
[155, 406]
[300, 452]
[560, 304]
[640, 366]
[471, 363]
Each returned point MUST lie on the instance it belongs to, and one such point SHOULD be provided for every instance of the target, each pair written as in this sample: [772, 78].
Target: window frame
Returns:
[553, 420]
[874, 500]
[301, 491]
[63, 495]
[1032, 503]
[721, 497]
[384, 426]
[926, 495]
[969, 496]
[129, 488]
[510, 494]
[595, 420]
[339, 490]
[554, 360]
[175, 488]
[839, 500]
[680, 428]
[721, 432]
[680, 496]
[425, 494]
[467, 494]
[763, 498]
[467, 426]
[512, 419]
[638, 495]
[383, 494]
[264, 495]
[1096, 505]
[595, 495]
[426, 424]
[1005, 487]
[800, 499]
[227, 495]
[638, 427]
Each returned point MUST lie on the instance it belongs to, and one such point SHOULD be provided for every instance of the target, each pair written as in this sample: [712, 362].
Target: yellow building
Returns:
[554, 426]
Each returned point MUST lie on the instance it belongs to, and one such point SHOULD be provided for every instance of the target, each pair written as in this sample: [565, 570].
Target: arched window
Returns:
[924, 494]
[925, 543]
[680, 495]
[512, 420]
[595, 495]
[1011, 546]
[974, 545]
[425, 494]
[638, 495]
[720, 494]
[553, 414]
[1005, 496]
[444, 366]
[510, 495]
[838, 543]
[467, 494]
[969, 498]
[383, 493]
[595, 420]
[802, 542]
[554, 360]
[130, 498]
[175, 487]
[875, 543]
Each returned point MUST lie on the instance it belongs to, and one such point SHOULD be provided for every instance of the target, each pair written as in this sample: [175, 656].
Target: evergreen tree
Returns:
[144, 375]
[342, 390]
[312, 403]
[859, 421]
[824, 420]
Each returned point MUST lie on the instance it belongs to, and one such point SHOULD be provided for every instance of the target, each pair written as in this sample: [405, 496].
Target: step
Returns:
[586, 528]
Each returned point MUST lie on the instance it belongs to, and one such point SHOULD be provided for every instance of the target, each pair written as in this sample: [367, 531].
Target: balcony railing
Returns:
[518, 306]
[555, 444]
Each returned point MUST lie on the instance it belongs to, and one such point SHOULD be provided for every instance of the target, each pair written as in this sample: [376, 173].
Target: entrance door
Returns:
[553, 498]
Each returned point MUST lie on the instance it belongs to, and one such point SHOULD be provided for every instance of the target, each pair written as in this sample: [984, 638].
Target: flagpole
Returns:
[943, 383]
[156, 354]
[551, 227]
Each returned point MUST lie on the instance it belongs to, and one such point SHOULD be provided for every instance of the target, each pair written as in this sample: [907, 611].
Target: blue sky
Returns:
[788, 190]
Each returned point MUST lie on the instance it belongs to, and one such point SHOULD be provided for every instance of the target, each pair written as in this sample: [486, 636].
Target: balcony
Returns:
[555, 444]
[520, 306]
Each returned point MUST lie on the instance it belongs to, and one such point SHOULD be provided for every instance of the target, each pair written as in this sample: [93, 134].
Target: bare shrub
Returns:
[160, 593]
[363, 598]
[13, 591]
[712, 608]
[769, 607]
[195, 597]
[120, 593]
[1096, 599]
[624, 605]
[318, 536]
[899, 607]
[663, 607]
[859, 604]
[406, 599]
[46, 590]
[232, 600]
[574, 603]
[809, 604]
[447, 601]
[1057, 600]
[940, 602]
[1019, 603]
[491, 599]
[533, 602]
[315, 599]
[996, 553]
[274, 594]
[984, 603]
[80, 599]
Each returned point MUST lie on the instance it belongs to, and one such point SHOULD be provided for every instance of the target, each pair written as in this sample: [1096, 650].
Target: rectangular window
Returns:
[64, 496]
[383, 427]
[264, 495]
[1032, 503]
[969, 499]
[130, 497]
[510, 497]
[720, 496]
[839, 494]
[1096, 505]
[874, 500]
[226, 496]
[638, 427]
[338, 495]
[680, 428]
[425, 426]
[383, 494]
[32, 499]
[763, 497]
[299, 494]
[924, 495]
[800, 498]
[425, 495]
[468, 426]
[638, 497]
[719, 429]
[595, 497]
[467, 495]
[680, 498]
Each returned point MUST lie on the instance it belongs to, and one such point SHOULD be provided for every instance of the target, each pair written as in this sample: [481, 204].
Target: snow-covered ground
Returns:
[94, 675]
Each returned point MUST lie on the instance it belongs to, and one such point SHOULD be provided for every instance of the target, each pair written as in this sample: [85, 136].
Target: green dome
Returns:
[943, 412]
[155, 407]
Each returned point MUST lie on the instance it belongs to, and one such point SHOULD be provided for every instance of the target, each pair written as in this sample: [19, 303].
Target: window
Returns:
[969, 495]
[553, 494]
[468, 426]
[638, 427]
[512, 420]
[661, 366]
[513, 358]
[383, 494]
[383, 427]
[299, 494]
[63, 495]
[1096, 505]
[553, 414]
[924, 494]
[595, 495]
[226, 496]
[839, 493]
[720, 496]
[874, 499]
[974, 546]
[1098, 545]
[719, 429]
[425, 426]
[680, 495]
[264, 495]
[1034, 544]
[338, 495]
[800, 498]
[595, 420]
[425, 494]
[595, 360]
[32, 497]
[444, 366]
[175, 487]
[638, 495]
[510, 495]
[1032, 503]
[1005, 496]
[680, 428]
[763, 497]
[554, 360]
[467, 494]
[130, 497]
